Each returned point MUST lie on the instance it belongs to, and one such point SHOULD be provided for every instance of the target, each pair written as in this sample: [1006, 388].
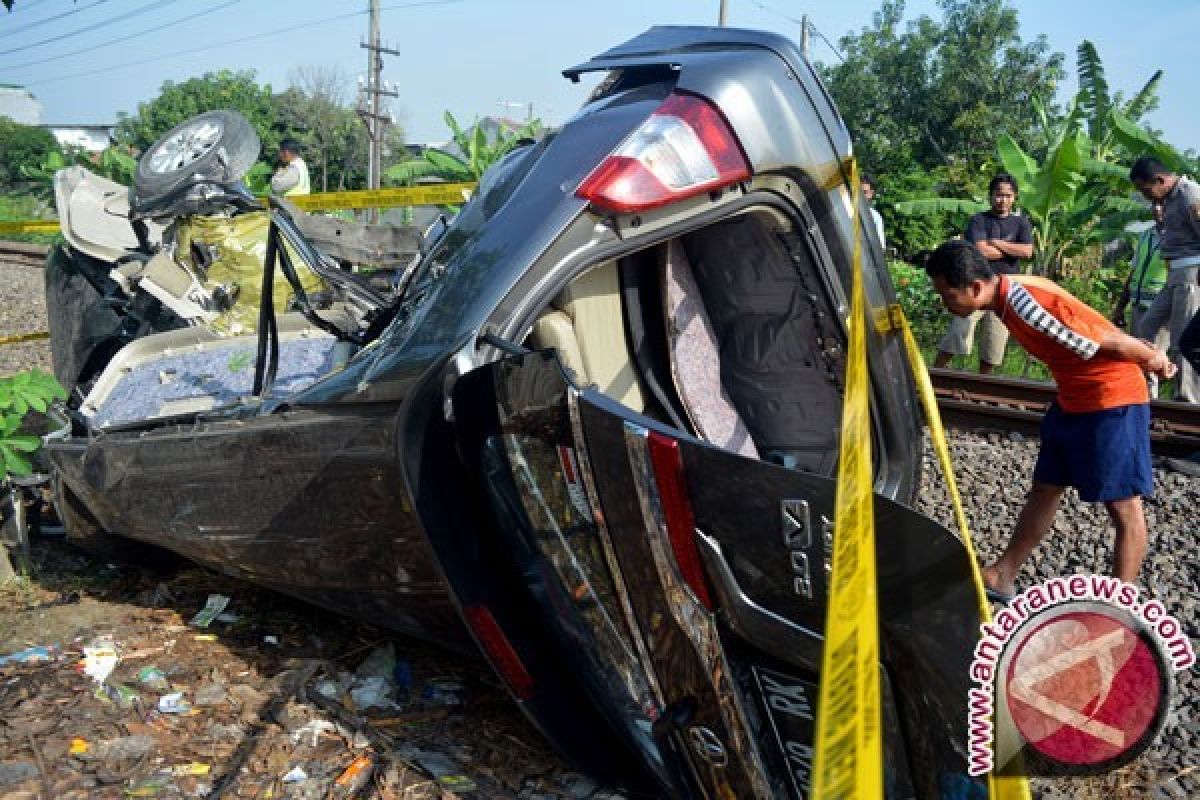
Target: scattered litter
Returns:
[205, 637]
[150, 787]
[79, 746]
[295, 775]
[30, 655]
[117, 694]
[100, 659]
[312, 730]
[402, 675]
[373, 692]
[153, 679]
[215, 605]
[381, 662]
[354, 777]
[122, 749]
[227, 618]
[269, 639]
[195, 768]
[174, 704]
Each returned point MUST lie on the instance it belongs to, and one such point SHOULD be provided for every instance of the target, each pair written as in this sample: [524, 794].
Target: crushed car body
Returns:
[593, 427]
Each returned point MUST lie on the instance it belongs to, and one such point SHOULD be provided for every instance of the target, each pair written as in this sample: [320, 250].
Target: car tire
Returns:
[218, 146]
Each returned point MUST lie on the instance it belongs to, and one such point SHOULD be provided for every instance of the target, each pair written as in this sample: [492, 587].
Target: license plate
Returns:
[791, 707]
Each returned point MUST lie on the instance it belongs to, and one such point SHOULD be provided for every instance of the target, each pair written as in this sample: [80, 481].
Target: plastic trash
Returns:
[215, 605]
[124, 748]
[196, 768]
[381, 662]
[312, 731]
[30, 655]
[354, 777]
[295, 775]
[457, 783]
[174, 703]
[153, 679]
[373, 692]
[118, 694]
[100, 659]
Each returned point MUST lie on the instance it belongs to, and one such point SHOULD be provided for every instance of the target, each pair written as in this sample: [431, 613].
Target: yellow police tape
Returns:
[29, 226]
[999, 787]
[24, 337]
[849, 750]
[433, 195]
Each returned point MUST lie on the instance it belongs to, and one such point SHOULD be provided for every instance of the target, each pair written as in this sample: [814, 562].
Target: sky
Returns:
[498, 57]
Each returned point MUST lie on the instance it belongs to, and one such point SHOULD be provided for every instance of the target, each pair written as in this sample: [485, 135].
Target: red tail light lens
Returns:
[681, 523]
[499, 650]
[683, 149]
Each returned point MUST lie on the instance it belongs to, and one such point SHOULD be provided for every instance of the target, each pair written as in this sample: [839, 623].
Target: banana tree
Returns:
[479, 151]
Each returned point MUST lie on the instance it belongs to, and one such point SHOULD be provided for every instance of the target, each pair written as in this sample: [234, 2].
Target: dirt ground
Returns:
[276, 698]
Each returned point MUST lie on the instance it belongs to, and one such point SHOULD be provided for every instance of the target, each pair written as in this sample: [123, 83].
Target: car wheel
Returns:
[217, 145]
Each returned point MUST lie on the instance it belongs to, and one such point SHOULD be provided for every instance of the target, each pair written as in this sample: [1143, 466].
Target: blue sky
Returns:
[474, 56]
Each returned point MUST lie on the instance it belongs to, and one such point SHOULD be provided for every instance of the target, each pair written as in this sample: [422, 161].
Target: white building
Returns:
[93, 138]
[19, 105]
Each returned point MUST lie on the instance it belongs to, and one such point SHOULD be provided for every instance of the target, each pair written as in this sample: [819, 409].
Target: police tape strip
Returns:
[433, 195]
[999, 787]
[849, 744]
[24, 337]
[29, 226]
[441, 194]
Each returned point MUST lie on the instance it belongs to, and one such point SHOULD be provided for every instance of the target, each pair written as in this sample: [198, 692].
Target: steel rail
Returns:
[1017, 404]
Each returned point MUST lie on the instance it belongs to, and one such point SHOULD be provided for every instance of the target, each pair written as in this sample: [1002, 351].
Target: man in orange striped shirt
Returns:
[1096, 435]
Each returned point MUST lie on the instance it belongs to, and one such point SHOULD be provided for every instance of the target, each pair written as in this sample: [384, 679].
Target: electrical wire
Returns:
[152, 29]
[801, 22]
[88, 28]
[40, 22]
[239, 40]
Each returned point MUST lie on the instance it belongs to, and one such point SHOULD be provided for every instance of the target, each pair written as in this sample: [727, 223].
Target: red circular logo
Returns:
[1087, 688]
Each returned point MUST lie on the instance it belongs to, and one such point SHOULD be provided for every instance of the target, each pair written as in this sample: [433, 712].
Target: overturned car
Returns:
[592, 429]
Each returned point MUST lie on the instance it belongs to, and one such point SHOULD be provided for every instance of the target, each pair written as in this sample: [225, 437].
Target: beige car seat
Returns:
[585, 323]
[696, 360]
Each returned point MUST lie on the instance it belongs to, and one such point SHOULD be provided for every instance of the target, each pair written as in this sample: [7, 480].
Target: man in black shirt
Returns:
[1003, 238]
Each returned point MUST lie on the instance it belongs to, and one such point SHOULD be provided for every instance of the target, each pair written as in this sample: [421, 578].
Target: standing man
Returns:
[1096, 434]
[1003, 237]
[867, 184]
[291, 173]
[1146, 280]
[1177, 303]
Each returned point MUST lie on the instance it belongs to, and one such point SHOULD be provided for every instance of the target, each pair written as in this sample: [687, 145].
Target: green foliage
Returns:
[22, 146]
[19, 394]
[334, 139]
[921, 304]
[478, 152]
[112, 163]
[177, 102]
[934, 93]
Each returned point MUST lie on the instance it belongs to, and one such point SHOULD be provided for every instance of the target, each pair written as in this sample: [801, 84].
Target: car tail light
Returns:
[683, 149]
[499, 650]
[677, 508]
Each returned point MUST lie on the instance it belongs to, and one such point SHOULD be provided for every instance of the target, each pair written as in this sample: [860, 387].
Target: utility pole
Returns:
[370, 102]
[724, 8]
[804, 35]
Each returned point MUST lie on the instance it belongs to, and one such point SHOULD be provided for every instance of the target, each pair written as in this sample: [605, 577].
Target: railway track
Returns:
[33, 255]
[1015, 404]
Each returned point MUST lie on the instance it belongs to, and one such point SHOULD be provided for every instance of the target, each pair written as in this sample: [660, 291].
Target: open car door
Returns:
[682, 588]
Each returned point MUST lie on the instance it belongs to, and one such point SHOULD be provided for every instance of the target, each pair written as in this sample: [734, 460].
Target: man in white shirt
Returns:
[291, 174]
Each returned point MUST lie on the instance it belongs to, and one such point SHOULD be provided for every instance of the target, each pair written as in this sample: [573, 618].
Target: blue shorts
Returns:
[1103, 454]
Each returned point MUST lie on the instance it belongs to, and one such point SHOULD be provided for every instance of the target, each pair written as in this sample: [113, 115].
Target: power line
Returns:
[802, 22]
[240, 40]
[40, 22]
[152, 29]
[92, 27]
